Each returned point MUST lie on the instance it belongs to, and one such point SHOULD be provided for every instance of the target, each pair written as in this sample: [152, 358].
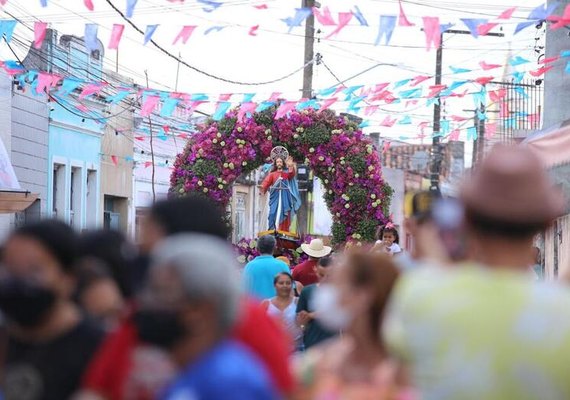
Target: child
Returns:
[388, 240]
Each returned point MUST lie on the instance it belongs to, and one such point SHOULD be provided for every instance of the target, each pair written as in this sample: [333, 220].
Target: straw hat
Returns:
[512, 186]
[316, 249]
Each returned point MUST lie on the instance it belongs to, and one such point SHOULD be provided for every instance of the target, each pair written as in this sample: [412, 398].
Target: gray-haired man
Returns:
[189, 308]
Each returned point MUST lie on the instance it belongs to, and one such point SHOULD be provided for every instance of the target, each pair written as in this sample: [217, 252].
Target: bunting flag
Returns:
[343, 20]
[253, 30]
[90, 89]
[131, 8]
[388, 122]
[90, 38]
[40, 29]
[301, 14]
[325, 18]
[210, 5]
[518, 60]
[89, 4]
[472, 133]
[386, 28]
[541, 71]
[184, 34]
[327, 103]
[490, 130]
[246, 110]
[488, 67]
[115, 160]
[116, 36]
[68, 86]
[284, 109]
[150, 29]
[46, 81]
[540, 13]
[454, 135]
[459, 70]
[432, 32]
[359, 16]
[43, 3]
[549, 60]
[507, 14]
[403, 20]
[7, 29]
[473, 25]
[484, 29]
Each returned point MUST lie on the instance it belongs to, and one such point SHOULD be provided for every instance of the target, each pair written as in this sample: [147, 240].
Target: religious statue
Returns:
[281, 183]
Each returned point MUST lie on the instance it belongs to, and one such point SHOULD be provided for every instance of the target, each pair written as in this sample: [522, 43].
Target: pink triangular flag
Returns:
[343, 20]
[549, 60]
[496, 95]
[253, 30]
[245, 109]
[147, 164]
[40, 29]
[89, 89]
[325, 18]
[3, 2]
[225, 96]
[454, 135]
[403, 20]
[541, 71]
[484, 80]
[419, 79]
[327, 103]
[115, 160]
[490, 130]
[261, 7]
[534, 120]
[89, 4]
[487, 67]
[149, 105]
[432, 32]
[369, 110]
[116, 36]
[82, 108]
[46, 81]
[388, 122]
[435, 90]
[484, 29]
[508, 13]
[459, 118]
[285, 108]
[184, 34]
[274, 96]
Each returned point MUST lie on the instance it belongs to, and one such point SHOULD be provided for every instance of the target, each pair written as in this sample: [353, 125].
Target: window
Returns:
[75, 199]
[91, 199]
[58, 209]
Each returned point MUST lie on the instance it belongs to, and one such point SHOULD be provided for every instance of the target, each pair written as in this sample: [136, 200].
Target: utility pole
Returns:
[303, 212]
[151, 149]
[437, 153]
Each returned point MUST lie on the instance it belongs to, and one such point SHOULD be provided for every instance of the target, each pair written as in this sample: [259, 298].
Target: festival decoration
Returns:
[336, 150]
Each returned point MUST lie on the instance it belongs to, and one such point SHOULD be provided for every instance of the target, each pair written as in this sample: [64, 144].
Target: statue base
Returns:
[285, 240]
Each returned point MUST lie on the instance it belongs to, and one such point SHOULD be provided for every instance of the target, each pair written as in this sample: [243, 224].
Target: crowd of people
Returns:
[463, 314]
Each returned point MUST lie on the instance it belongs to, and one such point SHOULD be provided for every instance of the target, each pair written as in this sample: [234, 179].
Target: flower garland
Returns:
[334, 147]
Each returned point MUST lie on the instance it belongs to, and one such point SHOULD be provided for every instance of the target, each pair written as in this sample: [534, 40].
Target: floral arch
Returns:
[333, 146]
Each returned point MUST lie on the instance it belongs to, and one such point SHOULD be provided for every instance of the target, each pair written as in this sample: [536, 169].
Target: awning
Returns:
[15, 201]
[552, 146]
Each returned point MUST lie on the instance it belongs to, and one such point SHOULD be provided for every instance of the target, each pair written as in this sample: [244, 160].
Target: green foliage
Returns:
[329, 198]
[265, 117]
[357, 163]
[358, 195]
[338, 232]
[387, 191]
[227, 125]
[203, 168]
[316, 134]
[367, 230]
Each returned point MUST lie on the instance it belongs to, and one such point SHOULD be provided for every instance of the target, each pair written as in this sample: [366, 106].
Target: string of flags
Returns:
[432, 25]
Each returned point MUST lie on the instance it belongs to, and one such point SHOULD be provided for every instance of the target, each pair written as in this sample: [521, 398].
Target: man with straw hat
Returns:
[306, 271]
[486, 330]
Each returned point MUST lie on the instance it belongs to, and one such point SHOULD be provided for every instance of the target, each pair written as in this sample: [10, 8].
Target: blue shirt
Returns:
[228, 371]
[258, 276]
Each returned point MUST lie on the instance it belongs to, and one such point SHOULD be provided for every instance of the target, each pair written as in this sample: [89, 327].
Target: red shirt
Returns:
[305, 272]
[109, 371]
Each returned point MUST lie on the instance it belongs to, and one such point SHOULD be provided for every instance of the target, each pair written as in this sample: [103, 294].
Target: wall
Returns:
[117, 178]
[556, 81]
[5, 136]
[30, 146]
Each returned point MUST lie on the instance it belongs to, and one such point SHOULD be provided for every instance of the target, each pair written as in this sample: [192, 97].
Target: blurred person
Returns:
[105, 287]
[189, 309]
[120, 370]
[306, 271]
[49, 343]
[297, 286]
[388, 240]
[313, 331]
[283, 307]
[486, 330]
[354, 365]
[258, 274]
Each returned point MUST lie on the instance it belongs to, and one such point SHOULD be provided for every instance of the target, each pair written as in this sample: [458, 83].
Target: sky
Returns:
[274, 52]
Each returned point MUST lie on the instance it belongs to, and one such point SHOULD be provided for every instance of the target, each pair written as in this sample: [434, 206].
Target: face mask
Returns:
[328, 309]
[159, 328]
[25, 303]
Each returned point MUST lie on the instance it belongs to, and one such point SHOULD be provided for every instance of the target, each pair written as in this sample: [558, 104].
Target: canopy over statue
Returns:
[281, 183]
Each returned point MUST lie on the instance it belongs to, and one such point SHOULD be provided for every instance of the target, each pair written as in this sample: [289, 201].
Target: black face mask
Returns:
[159, 328]
[25, 303]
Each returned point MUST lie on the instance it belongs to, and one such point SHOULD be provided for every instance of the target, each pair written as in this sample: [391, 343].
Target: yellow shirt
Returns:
[475, 333]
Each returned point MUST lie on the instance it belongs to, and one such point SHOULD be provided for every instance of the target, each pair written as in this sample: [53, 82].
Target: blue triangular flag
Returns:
[386, 28]
[472, 24]
[472, 133]
[301, 14]
[358, 15]
[130, 8]
[150, 29]
[91, 41]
